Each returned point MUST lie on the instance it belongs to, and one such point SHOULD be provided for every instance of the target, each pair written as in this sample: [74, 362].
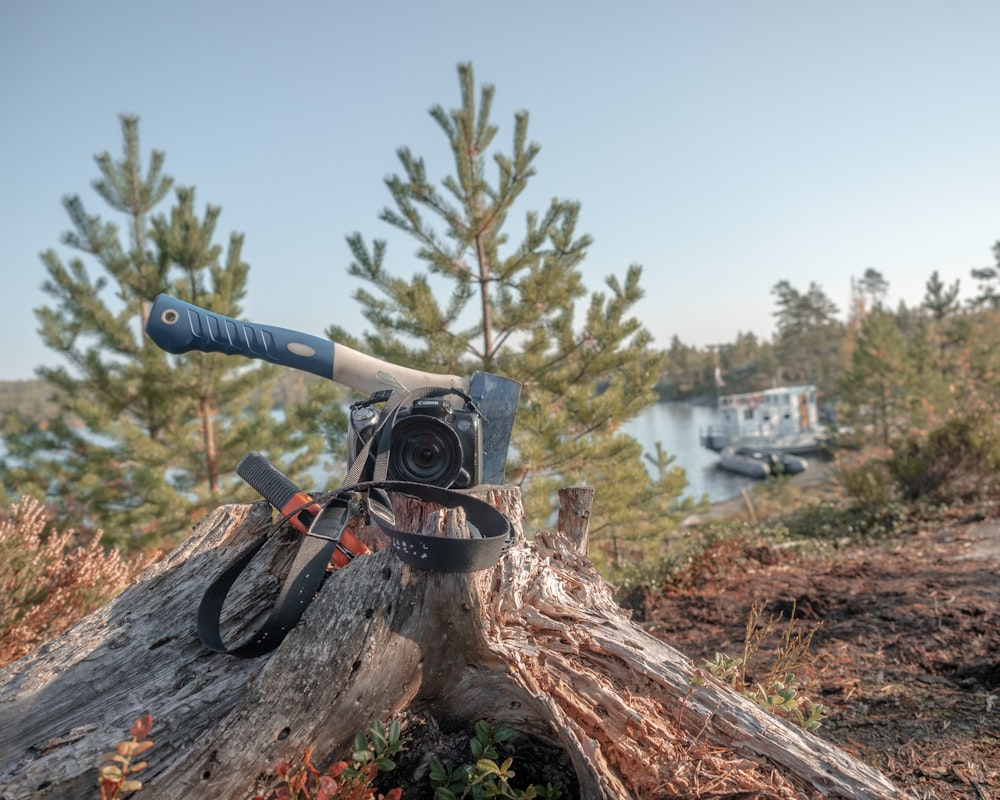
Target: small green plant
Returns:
[776, 689]
[695, 682]
[343, 780]
[866, 480]
[485, 778]
[114, 774]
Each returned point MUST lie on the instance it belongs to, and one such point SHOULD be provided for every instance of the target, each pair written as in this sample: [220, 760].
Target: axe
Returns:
[180, 327]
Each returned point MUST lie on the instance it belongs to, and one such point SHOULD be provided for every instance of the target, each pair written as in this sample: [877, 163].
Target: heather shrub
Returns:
[958, 462]
[865, 479]
[50, 579]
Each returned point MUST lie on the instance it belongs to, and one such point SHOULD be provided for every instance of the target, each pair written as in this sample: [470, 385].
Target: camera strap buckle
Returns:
[332, 529]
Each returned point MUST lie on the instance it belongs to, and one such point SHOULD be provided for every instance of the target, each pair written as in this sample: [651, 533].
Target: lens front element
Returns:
[425, 450]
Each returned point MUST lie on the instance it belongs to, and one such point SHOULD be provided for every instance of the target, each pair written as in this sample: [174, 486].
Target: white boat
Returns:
[782, 421]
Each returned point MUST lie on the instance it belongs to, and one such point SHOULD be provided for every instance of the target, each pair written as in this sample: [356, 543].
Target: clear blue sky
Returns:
[722, 145]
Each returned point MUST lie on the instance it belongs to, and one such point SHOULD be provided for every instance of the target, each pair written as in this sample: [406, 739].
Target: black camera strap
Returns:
[491, 530]
[491, 535]
[304, 579]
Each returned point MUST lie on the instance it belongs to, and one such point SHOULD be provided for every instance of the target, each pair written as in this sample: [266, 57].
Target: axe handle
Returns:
[180, 327]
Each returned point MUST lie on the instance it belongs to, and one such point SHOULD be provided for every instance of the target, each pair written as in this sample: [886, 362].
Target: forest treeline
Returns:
[847, 356]
[864, 359]
[32, 397]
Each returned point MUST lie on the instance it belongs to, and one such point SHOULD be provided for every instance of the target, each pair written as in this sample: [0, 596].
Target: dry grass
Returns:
[51, 579]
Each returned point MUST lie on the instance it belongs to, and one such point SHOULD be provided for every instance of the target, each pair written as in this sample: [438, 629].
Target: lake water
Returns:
[676, 426]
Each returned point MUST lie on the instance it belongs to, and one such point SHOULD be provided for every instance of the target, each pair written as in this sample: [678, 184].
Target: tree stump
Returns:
[537, 643]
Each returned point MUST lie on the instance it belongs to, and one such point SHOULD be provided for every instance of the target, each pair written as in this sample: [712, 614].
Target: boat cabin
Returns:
[783, 419]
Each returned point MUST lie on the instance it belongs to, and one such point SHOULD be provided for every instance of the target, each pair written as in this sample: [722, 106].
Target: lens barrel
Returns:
[425, 450]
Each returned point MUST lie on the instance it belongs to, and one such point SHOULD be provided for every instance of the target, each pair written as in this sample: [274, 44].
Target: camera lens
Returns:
[425, 450]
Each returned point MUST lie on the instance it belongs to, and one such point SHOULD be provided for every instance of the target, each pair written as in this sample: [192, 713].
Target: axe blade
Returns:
[497, 399]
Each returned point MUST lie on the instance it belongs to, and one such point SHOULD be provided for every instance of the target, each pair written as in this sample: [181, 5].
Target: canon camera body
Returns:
[429, 441]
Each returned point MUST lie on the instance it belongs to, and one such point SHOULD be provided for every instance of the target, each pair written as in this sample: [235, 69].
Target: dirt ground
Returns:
[907, 653]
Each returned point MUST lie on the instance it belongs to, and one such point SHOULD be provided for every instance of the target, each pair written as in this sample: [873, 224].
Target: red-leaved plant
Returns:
[343, 780]
[114, 774]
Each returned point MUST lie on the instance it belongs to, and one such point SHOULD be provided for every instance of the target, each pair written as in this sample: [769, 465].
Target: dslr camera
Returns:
[430, 441]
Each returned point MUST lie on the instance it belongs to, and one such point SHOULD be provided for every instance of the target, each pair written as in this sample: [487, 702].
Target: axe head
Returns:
[497, 399]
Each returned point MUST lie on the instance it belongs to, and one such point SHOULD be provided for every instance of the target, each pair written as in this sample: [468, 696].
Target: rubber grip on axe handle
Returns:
[179, 327]
[292, 503]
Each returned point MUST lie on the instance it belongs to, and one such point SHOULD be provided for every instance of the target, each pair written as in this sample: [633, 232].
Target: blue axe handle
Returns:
[180, 327]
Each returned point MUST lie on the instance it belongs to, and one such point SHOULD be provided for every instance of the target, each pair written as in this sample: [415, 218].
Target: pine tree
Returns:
[939, 338]
[809, 341]
[989, 282]
[939, 300]
[485, 303]
[874, 287]
[980, 338]
[143, 440]
[878, 384]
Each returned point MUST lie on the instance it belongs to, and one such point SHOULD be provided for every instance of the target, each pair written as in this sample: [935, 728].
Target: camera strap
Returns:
[491, 530]
[491, 536]
[304, 579]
